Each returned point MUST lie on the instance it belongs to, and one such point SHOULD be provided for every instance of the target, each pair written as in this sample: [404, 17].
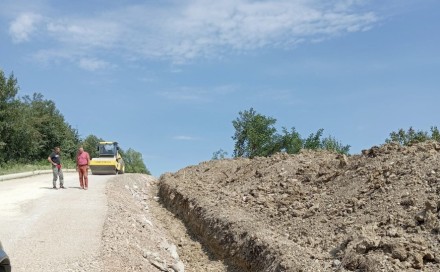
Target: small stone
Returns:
[148, 222]
[418, 261]
[146, 254]
[159, 265]
[392, 232]
[420, 217]
[178, 267]
[336, 263]
[173, 251]
[399, 253]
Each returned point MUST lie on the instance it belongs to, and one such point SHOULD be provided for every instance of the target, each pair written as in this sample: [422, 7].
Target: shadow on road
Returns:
[49, 187]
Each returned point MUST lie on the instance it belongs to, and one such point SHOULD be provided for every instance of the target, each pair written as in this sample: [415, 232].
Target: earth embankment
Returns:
[315, 211]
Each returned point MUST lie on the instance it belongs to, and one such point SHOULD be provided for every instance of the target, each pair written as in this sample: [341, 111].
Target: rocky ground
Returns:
[141, 235]
[315, 211]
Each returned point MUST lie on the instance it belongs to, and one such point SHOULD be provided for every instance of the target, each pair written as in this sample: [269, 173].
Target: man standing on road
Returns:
[55, 159]
[82, 166]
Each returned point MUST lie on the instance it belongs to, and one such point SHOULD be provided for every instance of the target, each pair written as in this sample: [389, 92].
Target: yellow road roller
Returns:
[109, 161]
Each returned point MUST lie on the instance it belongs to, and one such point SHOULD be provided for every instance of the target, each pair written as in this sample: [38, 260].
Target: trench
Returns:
[232, 241]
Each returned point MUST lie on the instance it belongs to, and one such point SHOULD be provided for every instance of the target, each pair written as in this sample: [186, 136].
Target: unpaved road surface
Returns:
[118, 224]
[44, 229]
[313, 211]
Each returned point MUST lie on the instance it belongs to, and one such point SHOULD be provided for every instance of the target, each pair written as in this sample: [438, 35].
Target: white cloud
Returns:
[194, 94]
[92, 64]
[204, 30]
[184, 94]
[23, 26]
[287, 97]
[86, 33]
[181, 31]
[185, 138]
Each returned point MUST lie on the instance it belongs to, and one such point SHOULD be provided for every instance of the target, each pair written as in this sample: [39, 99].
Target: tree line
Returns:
[31, 126]
[256, 136]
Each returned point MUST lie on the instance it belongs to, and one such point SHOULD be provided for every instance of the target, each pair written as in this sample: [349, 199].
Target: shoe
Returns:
[55, 187]
[62, 187]
[85, 188]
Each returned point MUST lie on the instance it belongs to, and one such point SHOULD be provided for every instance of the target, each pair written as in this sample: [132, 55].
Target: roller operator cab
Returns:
[109, 161]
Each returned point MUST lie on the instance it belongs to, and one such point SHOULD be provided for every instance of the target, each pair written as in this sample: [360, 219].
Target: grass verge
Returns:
[14, 167]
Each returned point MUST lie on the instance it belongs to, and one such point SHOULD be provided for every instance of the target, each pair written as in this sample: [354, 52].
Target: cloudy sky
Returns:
[167, 78]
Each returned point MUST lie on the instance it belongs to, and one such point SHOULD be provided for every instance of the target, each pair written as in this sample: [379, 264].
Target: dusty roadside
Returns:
[141, 235]
[116, 225]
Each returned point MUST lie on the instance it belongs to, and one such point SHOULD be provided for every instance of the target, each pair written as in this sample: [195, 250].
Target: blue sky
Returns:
[167, 78]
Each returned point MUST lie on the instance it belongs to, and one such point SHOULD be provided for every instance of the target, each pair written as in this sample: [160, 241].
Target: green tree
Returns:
[31, 126]
[24, 140]
[8, 91]
[134, 162]
[52, 129]
[331, 144]
[314, 140]
[435, 134]
[408, 137]
[219, 154]
[90, 144]
[411, 136]
[254, 134]
[291, 142]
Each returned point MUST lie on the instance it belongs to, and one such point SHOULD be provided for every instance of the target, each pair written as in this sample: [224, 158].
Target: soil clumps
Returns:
[315, 211]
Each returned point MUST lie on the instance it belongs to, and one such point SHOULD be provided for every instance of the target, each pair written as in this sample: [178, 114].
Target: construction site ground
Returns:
[314, 211]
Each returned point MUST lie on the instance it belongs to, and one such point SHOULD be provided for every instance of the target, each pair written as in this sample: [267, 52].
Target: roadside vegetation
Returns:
[11, 167]
[411, 136]
[256, 136]
[31, 126]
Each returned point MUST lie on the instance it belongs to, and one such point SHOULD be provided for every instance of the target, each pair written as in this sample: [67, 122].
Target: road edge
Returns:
[29, 174]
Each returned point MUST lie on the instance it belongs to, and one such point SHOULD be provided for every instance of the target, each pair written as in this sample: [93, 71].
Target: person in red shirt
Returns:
[82, 166]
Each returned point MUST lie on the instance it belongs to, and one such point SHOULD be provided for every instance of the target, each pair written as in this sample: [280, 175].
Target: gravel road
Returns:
[43, 229]
[116, 225]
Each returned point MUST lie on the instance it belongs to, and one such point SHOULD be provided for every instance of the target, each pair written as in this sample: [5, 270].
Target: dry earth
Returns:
[141, 235]
[315, 211]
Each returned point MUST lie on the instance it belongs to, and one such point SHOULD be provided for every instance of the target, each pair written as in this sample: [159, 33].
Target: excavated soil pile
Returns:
[315, 211]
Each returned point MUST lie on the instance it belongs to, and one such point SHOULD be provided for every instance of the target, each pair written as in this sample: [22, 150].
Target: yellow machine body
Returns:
[109, 161]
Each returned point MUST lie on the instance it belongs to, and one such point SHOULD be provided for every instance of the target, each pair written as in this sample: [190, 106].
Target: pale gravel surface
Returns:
[141, 235]
[44, 229]
[116, 225]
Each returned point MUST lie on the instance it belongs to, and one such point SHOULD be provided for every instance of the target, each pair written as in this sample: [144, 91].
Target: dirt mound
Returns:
[315, 211]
